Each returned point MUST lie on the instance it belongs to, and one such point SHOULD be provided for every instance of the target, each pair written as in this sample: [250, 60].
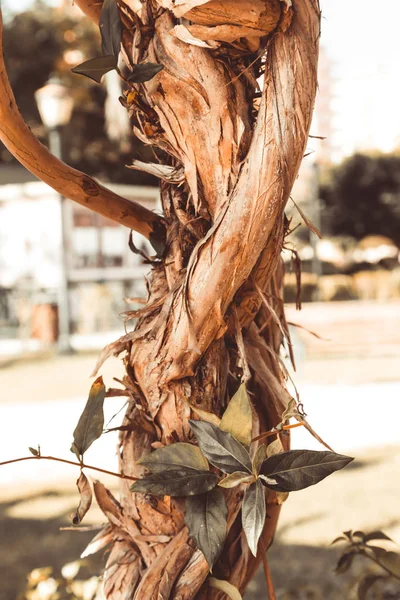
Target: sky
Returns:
[360, 37]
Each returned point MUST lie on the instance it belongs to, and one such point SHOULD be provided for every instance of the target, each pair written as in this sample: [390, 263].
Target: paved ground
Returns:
[350, 387]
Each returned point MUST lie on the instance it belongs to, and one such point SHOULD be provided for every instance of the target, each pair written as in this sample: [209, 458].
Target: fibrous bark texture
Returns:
[228, 118]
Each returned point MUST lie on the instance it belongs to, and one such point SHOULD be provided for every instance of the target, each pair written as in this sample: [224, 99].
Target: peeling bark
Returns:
[230, 155]
[239, 158]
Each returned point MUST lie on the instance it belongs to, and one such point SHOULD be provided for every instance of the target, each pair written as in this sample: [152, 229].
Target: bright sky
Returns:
[361, 39]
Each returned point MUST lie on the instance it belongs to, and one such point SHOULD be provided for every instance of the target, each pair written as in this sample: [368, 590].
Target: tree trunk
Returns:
[228, 154]
[215, 306]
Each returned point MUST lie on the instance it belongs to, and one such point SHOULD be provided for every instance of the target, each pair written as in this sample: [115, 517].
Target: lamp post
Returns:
[55, 106]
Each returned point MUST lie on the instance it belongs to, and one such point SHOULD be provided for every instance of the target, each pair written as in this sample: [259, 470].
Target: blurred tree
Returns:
[362, 197]
[54, 41]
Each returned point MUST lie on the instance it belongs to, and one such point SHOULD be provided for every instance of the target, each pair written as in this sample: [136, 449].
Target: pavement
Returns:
[350, 387]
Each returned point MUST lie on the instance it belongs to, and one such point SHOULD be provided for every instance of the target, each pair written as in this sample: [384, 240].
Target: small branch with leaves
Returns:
[358, 543]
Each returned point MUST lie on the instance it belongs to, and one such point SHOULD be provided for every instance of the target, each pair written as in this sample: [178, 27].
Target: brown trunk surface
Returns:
[228, 155]
[235, 156]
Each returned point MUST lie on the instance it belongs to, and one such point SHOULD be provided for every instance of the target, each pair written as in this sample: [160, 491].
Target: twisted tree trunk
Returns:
[215, 304]
[229, 156]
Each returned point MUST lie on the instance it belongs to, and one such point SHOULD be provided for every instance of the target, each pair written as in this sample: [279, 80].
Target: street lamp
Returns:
[55, 106]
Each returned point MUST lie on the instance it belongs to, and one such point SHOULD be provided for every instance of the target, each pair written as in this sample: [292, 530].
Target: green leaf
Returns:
[237, 419]
[275, 447]
[341, 538]
[259, 458]
[299, 469]
[85, 492]
[144, 72]
[206, 416]
[235, 479]
[178, 482]
[205, 517]
[376, 535]
[220, 448]
[110, 25]
[173, 457]
[95, 68]
[253, 514]
[33, 451]
[366, 584]
[345, 561]
[91, 423]
[226, 587]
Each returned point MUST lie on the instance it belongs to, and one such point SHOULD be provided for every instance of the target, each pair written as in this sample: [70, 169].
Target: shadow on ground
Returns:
[300, 572]
[27, 544]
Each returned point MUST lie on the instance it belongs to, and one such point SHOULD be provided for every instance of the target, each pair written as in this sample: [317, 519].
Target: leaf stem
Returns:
[262, 436]
[69, 462]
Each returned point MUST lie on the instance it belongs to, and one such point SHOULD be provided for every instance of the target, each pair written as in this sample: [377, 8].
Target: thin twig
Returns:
[266, 434]
[69, 462]
[267, 572]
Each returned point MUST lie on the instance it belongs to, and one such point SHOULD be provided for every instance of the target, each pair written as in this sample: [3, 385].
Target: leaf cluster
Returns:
[182, 469]
[111, 31]
[358, 543]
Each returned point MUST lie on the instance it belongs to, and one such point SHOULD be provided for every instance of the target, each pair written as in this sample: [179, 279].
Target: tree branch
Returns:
[20, 141]
[68, 462]
[91, 8]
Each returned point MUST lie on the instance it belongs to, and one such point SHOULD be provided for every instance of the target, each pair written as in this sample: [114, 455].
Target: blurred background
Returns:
[65, 276]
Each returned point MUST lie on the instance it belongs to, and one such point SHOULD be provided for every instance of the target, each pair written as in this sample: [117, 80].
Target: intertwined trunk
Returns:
[215, 310]
[228, 152]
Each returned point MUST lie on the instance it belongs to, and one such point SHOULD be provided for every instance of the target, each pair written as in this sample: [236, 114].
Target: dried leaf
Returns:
[307, 221]
[206, 416]
[226, 587]
[234, 479]
[179, 482]
[205, 517]
[33, 451]
[102, 539]
[253, 514]
[220, 448]
[275, 447]
[110, 25]
[85, 502]
[259, 458]
[144, 72]
[91, 423]
[366, 584]
[95, 68]
[291, 410]
[281, 497]
[237, 419]
[173, 457]
[299, 469]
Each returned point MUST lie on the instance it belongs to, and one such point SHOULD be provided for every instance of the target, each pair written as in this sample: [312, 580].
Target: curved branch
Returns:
[91, 8]
[71, 183]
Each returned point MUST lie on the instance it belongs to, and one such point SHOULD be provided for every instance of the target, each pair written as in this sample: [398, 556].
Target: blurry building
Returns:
[102, 270]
